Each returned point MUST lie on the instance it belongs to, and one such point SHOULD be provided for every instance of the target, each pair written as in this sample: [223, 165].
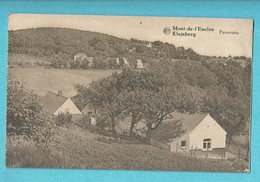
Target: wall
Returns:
[175, 146]
[68, 106]
[208, 128]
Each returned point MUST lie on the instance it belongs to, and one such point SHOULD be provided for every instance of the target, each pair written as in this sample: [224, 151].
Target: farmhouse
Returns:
[199, 132]
[57, 103]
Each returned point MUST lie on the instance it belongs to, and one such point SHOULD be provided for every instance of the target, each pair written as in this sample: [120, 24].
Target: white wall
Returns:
[68, 106]
[208, 128]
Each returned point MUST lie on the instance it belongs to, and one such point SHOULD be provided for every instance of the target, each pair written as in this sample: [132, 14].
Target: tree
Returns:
[153, 94]
[232, 113]
[24, 113]
[156, 106]
[106, 96]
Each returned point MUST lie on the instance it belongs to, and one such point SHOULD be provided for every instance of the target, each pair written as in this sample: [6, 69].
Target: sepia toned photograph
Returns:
[129, 93]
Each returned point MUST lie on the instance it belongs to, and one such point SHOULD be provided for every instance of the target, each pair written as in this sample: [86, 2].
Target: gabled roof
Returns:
[187, 123]
[52, 102]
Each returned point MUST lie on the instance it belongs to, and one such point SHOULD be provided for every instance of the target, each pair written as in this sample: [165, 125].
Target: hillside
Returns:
[82, 149]
[64, 43]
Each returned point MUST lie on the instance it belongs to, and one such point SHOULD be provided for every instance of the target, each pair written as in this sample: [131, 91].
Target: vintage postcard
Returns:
[129, 93]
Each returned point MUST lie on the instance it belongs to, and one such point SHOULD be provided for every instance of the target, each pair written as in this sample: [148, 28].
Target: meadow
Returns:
[42, 80]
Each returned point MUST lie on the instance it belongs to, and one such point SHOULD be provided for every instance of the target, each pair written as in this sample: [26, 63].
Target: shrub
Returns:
[25, 115]
[63, 119]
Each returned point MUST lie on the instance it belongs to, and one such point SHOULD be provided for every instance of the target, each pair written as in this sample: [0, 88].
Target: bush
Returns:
[63, 119]
[25, 115]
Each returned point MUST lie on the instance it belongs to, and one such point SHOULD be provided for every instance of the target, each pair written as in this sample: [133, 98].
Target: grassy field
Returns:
[42, 80]
[78, 148]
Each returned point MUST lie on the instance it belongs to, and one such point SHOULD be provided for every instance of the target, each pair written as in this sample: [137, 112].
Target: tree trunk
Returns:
[228, 142]
[132, 124]
[113, 127]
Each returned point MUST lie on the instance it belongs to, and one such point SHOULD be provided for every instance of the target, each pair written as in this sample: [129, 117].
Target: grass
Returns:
[77, 148]
[42, 80]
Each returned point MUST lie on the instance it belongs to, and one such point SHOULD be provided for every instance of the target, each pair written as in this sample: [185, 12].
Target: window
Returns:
[207, 144]
[183, 144]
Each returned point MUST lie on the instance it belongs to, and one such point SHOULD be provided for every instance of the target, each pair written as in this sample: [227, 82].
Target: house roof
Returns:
[187, 122]
[52, 102]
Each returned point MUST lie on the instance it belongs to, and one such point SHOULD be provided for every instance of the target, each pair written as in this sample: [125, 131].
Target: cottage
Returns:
[199, 132]
[57, 103]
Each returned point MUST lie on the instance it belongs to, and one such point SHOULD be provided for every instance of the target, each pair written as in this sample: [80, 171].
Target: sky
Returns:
[212, 43]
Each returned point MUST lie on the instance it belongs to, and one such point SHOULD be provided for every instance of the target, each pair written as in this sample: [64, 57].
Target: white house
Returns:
[139, 64]
[199, 132]
[57, 103]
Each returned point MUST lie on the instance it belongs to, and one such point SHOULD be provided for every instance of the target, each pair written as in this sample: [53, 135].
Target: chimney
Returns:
[60, 93]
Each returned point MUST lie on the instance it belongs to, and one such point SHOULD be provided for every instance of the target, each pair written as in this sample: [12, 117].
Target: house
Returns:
[57, 103]
[81, 57]
[199, 132]
[188, 133]
[139, 64]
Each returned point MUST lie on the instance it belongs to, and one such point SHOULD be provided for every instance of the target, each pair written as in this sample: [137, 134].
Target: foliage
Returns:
[63, 119]
[105, 96]
[182, 86]
[24, 113]
[60, 46]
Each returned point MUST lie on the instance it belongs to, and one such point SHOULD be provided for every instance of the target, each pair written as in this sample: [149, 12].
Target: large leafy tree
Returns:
[232, 113]
[106, 96]
[157, 106]
[24, 113]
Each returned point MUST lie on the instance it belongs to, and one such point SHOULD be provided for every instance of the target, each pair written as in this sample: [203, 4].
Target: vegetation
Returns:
[76, 148]
[165, 87]
[24, 113]
[57, 47]
[64, 119]
[176, 80]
